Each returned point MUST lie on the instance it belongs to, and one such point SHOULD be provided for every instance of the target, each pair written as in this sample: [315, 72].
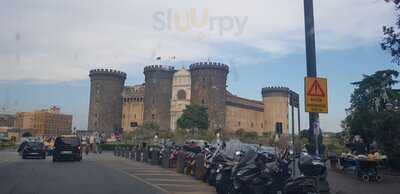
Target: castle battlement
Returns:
[209, 65]
[269, 90]
[111, 72]
[152, 68]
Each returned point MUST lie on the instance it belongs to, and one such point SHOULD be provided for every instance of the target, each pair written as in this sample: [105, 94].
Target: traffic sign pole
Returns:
[310, 52]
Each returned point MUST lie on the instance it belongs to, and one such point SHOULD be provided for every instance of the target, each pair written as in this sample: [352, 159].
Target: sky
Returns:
[47, 47]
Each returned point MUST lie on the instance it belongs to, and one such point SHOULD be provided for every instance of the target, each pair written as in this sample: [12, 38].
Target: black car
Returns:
[67, 148]
[33, 150]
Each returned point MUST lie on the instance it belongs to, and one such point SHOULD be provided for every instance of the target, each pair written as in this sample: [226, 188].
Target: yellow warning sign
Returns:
[316, 94]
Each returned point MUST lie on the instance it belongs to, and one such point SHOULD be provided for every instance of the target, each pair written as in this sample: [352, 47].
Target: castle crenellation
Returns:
[209, 65]
[158, 68]
[107, 72]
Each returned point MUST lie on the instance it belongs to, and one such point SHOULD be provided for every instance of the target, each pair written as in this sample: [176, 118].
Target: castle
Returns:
[166, 92]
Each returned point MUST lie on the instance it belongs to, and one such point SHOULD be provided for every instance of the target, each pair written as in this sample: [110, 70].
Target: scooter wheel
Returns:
[378, 178]
[365, 178]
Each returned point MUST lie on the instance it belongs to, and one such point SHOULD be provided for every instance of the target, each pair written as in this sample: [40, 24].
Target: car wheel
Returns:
[44, 156]
[23, 156]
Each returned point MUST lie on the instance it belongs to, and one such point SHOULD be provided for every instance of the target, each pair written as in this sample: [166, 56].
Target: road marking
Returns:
[144, 181]
[155, 174]
[3, 162]
[191, 192]
[180, 186]
[142, 169]
[172, 180]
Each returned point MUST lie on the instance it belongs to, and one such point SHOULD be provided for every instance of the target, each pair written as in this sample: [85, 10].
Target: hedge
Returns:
[111, 147]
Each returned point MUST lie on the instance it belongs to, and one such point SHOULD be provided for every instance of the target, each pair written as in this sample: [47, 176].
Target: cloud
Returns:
[59, 41]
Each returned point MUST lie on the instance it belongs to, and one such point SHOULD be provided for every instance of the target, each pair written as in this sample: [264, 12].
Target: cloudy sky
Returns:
[47, 47]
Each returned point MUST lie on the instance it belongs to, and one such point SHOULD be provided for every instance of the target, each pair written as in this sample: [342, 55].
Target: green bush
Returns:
[111, 147]
[7, 145]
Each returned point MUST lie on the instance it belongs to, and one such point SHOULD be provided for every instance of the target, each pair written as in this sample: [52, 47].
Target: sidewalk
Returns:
[166, 180]
[348, 183]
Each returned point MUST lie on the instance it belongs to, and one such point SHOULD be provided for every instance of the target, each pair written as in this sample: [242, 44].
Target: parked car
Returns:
[33, 150]
[67, 148]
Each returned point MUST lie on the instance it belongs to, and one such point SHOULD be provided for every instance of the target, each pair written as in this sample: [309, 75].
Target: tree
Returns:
[194, 116]
[391, 40]
[367, 116]
[147, 131]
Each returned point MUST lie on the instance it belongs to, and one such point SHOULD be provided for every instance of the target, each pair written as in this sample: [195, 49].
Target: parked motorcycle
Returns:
[213, 164]
[257, 174]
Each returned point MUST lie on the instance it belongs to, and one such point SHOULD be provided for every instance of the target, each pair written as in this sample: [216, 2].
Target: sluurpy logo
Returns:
[193, 20]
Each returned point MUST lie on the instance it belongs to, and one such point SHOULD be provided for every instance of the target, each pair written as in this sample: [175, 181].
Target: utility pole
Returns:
[311, 57]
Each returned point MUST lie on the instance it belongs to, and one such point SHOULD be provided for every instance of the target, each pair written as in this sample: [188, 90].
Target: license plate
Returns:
[66, 152]
[236, 184]
[219, 177]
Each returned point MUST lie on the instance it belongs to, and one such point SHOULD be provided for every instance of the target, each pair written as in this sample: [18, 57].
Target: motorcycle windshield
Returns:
[248, 157]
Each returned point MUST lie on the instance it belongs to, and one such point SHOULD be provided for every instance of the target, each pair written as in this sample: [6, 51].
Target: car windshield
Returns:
[73, 141]
[249, 156]
[195, 86]
[35, 144]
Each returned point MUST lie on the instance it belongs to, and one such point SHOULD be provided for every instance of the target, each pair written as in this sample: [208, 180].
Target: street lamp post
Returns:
[312, 72]
[311, 56]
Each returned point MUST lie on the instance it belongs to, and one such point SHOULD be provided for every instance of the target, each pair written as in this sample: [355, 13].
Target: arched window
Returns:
[181, 95]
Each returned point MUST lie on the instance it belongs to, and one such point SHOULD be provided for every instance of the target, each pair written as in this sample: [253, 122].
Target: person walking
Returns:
[98, 148]
[91, 143]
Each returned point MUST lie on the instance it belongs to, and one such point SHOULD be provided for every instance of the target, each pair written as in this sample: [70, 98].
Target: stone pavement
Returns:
[348, 183]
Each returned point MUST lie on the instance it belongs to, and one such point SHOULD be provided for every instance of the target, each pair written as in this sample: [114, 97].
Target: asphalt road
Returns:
[95, 174]
[33, 176]
[106, 174]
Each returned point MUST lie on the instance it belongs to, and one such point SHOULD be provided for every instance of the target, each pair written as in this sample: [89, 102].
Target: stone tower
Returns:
[180, 95]
[105, 109]
[209, 89]
[276, 108]
[157, 95]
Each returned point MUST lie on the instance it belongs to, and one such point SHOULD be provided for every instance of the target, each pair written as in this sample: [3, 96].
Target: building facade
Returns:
[244, 114]
[157, 95]
[132, 107]
[166, 92]
[181, 90]
[209, 90]
[7, 120]
[276, 104]
[47, 122]
[105, 108]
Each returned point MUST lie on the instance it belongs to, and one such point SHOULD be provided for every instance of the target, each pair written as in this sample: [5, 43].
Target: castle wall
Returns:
[133, 107]
[244, 114]
[105, 109]
[180, 95]
[276, 109]
[208, 89]
[157, 97]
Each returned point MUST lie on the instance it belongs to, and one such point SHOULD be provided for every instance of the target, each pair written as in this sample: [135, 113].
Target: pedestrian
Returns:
[98, 148]
[91, 143]
[206, 145]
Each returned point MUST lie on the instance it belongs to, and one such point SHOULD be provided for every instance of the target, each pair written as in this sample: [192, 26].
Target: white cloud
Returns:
[62, 40]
